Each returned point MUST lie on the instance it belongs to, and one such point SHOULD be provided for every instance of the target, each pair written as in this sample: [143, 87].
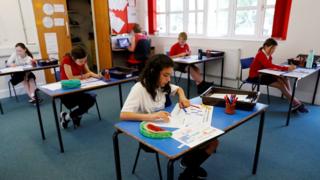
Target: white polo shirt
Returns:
[140, 101]
[18, 60]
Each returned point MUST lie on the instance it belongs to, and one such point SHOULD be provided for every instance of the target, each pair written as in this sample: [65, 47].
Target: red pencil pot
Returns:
[230, 108]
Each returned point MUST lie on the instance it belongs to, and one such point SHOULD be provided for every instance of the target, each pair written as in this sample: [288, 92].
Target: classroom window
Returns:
[216, 18]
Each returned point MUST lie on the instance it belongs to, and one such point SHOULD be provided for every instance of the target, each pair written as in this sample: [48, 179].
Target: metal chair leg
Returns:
[136, 160]
[1, 110]
[9, 85]
[60, 106]
[98, 109]
[159, 167]
[241, 85]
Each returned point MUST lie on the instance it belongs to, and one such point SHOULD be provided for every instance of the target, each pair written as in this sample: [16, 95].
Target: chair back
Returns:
[245, 64]
[142, 50]
[57, 75]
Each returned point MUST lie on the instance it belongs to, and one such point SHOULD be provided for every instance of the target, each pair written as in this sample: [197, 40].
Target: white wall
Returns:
[12, 31]
[303, 35]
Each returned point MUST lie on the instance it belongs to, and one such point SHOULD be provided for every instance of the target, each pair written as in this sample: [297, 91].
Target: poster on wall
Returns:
[51, 43]
[123, 15]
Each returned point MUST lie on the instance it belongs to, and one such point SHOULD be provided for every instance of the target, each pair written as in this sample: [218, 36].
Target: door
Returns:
[53, 30]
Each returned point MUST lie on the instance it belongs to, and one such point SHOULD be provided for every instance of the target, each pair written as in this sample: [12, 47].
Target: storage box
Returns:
[214, 96]
[47, 62]
[212, 53]
[123, 72]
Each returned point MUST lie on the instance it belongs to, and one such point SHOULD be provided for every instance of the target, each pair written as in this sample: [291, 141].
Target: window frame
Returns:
[261, 9]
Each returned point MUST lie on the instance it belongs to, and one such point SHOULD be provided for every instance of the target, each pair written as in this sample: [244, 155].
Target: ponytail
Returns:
[269, 42]
[25, 48]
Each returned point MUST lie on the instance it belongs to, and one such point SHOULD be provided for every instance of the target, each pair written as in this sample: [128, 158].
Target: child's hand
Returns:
[184, 103]
[292, 67]
[164, 116]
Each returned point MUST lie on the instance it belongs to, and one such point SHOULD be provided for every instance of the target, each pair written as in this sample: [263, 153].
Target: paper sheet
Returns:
[91, 82]
[116, 22]
[240, 97]
[117, 4]
[11, 69]
[300, 73]
[193, 116]
[272, 72]
[132, 14]
[192, 136]
[51, 42]
[189, 59]
[52, 86]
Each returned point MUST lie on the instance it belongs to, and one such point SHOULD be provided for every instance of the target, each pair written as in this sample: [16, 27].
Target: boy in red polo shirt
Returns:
[181, 49]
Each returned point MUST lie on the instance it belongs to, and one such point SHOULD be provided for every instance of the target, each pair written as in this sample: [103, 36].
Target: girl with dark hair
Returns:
[22, 56]
[74, 66]
[263, 60]
[146, 102]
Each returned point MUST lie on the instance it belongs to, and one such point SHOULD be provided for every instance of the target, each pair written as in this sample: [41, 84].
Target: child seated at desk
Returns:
[263, 60]
[22, 56]
[74, 66]
[181, 49]
[150, 96]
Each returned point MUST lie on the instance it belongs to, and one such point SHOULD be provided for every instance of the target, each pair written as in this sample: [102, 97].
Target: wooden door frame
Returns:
[101, 25]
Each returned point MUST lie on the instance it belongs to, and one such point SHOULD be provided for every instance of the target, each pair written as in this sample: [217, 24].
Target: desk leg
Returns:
[39, 114]
[188, 84]
[256, 155]
[204, 71]
[315, 89]
[221, 76]
[120, 95]
[291, 101]
[1, 108]
[117, 154]
[170, 169]
[57, 125]
[55, 74]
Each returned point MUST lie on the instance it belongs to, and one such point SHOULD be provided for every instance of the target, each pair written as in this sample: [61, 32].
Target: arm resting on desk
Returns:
[161, 115]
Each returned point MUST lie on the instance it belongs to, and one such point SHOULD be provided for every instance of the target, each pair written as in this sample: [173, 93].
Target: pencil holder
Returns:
[230, 108]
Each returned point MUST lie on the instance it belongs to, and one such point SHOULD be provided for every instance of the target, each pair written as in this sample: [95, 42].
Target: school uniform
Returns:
[140, 101]
[178, 49]
[83, 100]
[20, 61]
[263, 61]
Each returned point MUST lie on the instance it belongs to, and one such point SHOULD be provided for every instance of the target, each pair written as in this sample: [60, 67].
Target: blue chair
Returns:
[92, 94]
[245, 64]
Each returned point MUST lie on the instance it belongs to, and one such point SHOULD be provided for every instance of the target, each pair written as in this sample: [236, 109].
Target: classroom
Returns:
[159, 89]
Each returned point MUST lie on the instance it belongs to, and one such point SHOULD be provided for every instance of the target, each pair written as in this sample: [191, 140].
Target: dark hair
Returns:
[150, 75]
[269, 42]
[136, 28]
[78, 52]
[23, 46]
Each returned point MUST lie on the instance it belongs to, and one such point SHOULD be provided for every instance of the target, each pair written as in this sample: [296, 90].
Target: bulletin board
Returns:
[123, 15]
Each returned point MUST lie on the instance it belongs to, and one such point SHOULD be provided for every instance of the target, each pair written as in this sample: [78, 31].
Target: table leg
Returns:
[222, 68]
[1, 108]
[315, 89]
[188, 84]
[117, 154]
[57, 125]
[204, 71]
[259, 139]
[39, 114]
[120, 95]
[55, 74]
[170, 169]
[291, 101]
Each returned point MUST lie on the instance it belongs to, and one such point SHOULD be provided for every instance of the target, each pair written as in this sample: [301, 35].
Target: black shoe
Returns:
[76, 121]
[182, 164]
[63, 121]
[193, 174]
[294, 108]
[34, 101]
[302, 108]
[203, 86]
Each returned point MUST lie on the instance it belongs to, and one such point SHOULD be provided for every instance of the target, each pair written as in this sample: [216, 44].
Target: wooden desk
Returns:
[190, 60]
[169, 147]
[297, 74]
[4, 72]
[54, 94]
